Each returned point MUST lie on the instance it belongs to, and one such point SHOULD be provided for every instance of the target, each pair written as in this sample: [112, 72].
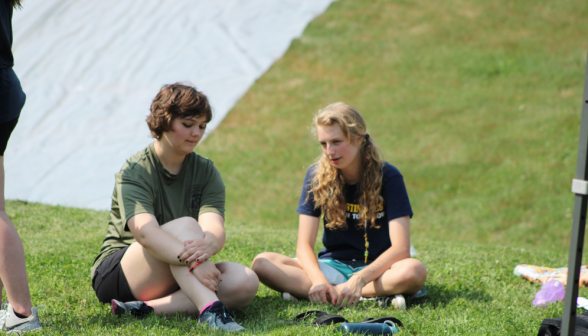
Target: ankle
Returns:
[207, 306]
[21, 312]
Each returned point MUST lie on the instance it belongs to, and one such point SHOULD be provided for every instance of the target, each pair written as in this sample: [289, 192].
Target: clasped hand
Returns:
[207, 274]
[197, 250]
[345, 295]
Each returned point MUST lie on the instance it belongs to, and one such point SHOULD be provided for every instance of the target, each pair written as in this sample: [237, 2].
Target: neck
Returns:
[352, 173]
[170, 159]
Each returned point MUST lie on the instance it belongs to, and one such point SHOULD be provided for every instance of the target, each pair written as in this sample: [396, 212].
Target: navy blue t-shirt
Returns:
[349, 244]
[12, 97]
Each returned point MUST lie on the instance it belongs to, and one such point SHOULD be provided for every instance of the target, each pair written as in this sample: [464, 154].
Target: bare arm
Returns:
[159, 243]
[200, 250]
[307, 231]
[400, 237]
[350, 291]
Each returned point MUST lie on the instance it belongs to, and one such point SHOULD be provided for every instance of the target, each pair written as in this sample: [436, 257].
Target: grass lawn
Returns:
[477, 103]
[472, 290]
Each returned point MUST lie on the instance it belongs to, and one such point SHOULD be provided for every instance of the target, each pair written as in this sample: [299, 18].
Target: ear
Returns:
[359, 141]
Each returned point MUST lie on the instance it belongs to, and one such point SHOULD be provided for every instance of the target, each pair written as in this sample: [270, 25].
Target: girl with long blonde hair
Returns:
[366, 214]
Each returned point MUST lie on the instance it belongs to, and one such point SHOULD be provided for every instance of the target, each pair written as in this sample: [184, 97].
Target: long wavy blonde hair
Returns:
[327, 184]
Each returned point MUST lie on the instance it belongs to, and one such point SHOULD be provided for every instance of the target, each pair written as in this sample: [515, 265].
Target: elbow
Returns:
[405, 254]
[142, 236]
[221, 243]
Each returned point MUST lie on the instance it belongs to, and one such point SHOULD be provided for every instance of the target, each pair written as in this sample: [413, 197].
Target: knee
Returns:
[261, 264]
[245, 293]
[182, 226]
[415, 273]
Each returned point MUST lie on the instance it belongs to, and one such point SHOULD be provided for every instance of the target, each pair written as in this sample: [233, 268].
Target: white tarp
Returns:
[91, 68]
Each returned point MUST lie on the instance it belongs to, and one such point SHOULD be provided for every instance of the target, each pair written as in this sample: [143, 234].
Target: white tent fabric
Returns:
[91, 68]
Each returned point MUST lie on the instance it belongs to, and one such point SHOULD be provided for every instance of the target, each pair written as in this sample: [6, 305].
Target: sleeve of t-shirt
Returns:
[134, 193]
[395, 194]
[306, 203]
[213, 194]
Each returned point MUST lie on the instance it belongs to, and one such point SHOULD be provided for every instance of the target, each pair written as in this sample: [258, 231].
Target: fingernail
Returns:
[186, 261]
[197, 259]
[178, 257]
[215, 291]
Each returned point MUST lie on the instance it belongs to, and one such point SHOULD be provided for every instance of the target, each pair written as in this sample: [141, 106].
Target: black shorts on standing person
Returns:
[12, 97]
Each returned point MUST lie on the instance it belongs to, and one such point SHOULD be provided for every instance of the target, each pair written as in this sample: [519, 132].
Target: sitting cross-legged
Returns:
[167, 221]
[366, 214]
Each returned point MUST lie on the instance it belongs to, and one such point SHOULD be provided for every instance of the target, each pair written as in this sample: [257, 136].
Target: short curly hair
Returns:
[179, 100]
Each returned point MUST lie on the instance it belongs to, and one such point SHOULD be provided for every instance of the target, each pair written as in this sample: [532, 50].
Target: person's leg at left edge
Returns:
[13, 273]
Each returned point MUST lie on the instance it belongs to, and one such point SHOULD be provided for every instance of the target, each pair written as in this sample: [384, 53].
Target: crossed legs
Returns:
[157, 282]
[285, 274]
[13, 273]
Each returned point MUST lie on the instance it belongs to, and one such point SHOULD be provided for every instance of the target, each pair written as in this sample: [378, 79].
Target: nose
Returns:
[197, 132]
[330, 149]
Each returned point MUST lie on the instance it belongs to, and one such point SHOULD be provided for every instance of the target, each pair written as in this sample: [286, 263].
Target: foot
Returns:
[138, 309]
[219, 317]
[11, 323]
[289, 297]
[397, 301]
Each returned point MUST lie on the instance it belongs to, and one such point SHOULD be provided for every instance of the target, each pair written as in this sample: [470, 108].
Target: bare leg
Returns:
[286, 275]
[406, 276]
[12, 259]
[236, 291]
[281, 273]
[157, 282]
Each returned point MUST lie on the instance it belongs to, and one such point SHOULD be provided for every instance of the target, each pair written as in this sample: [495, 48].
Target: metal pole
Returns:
[580, 188]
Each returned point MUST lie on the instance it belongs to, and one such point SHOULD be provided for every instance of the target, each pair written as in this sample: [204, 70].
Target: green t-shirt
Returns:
[144, 186]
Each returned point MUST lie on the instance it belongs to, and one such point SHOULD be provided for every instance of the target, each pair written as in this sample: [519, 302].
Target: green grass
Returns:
[477, 103]
[471, 287]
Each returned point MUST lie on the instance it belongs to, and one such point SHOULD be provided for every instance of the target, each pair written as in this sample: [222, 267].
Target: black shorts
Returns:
[6, 129]
[109, 281]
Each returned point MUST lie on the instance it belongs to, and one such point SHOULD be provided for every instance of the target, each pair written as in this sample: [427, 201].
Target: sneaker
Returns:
[3, 315]
[13, 324]
[138, 309]
[219, 317]
[289, 297]
[397, 301]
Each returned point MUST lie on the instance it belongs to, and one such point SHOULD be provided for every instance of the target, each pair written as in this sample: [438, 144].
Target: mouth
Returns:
[335, 161]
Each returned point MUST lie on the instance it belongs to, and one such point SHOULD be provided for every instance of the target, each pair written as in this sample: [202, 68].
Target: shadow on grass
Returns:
[440, 295]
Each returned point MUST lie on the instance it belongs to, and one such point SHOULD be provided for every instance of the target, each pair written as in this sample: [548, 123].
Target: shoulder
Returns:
[203, 170]
[139, 163]
[310, 173]
[389, 171]
[201, 163]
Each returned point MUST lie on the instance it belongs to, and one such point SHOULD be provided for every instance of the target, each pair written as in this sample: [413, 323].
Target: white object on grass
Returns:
[582, 302]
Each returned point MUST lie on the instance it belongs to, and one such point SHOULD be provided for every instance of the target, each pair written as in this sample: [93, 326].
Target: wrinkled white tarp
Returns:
[91, 68]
